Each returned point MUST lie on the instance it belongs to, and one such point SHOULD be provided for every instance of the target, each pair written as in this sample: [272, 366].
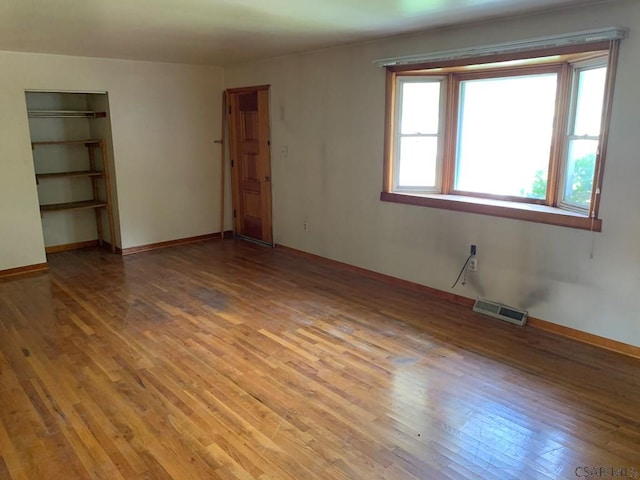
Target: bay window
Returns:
[520, 135]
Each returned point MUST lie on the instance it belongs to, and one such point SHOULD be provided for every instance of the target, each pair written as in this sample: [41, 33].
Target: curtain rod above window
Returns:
[551, 41]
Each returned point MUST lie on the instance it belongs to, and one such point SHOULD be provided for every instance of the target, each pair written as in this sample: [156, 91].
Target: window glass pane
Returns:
[589, 101]
[581, 164]
[420, 107]
[504, 136]
[418, 161]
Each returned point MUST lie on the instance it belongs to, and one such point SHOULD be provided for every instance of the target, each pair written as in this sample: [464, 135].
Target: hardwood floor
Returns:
[227, 360]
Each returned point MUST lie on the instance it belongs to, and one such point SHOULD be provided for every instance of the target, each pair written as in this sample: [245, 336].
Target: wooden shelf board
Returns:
[59, 207]
[77, 173]
[66, 114]
[68, 142]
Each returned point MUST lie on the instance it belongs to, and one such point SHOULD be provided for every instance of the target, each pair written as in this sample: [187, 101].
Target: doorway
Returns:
[249, 149]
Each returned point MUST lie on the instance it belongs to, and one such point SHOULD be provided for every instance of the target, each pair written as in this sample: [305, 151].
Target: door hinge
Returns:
[269, 143]
[232, 163]
[234, 214]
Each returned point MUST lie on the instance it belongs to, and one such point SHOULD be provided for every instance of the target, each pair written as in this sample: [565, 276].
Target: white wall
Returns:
[164, 118]
[328, 108]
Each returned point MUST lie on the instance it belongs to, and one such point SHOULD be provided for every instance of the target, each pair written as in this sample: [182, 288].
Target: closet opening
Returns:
[74, 169]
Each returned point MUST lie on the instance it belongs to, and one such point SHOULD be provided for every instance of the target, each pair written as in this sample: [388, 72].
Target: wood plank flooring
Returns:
[227, 360]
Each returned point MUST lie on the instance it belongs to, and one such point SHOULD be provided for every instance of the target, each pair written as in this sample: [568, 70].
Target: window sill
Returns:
[519, 211]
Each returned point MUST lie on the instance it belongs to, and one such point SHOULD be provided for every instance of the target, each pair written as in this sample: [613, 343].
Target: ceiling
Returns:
[219, 32]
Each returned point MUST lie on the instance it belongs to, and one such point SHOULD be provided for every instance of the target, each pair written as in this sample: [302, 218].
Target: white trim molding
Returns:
[551, 41]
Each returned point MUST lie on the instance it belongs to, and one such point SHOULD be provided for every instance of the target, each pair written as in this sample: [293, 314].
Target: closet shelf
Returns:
[59, 207]
[77, 173]
[87, 143]
[65, 114]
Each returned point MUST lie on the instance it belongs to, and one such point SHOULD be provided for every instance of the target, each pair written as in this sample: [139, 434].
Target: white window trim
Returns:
[550, 41]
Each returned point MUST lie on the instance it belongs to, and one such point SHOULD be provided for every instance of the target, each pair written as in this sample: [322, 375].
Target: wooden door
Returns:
[250, 162]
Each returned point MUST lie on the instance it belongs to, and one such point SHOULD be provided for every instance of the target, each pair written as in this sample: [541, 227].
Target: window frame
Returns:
[457, 80]
[549, 210]
[577, 68]
[398, 135]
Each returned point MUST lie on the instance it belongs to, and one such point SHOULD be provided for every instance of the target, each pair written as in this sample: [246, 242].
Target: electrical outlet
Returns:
[473, 264]
[474, 249]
